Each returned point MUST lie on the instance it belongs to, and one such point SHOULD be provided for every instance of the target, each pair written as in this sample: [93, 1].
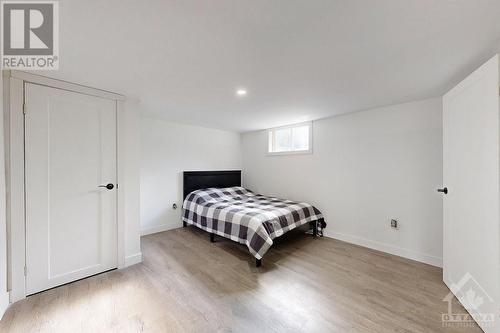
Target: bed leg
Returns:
[315, 228]
[184, 224]
[258, 262]
[212, 238]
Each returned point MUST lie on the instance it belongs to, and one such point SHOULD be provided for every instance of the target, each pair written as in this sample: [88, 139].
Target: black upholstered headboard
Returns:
[197, 180]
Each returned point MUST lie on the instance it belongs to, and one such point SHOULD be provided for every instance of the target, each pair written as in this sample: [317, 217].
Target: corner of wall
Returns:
[132, 246]
[4, 294]
[4, 303]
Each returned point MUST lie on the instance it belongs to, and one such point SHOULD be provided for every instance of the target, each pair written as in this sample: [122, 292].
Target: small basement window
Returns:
[293, 139]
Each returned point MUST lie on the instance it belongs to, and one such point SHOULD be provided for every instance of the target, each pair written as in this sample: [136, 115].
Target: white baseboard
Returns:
[133, 259]
[160, 228]
[388, 248]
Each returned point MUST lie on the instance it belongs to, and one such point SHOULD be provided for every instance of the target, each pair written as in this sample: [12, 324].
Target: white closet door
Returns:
[471, 146]
[70, 147]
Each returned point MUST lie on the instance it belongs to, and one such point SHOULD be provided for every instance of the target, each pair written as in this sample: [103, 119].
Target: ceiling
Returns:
[299, 60]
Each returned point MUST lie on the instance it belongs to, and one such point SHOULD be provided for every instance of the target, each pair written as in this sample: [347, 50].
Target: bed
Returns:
[214, 201]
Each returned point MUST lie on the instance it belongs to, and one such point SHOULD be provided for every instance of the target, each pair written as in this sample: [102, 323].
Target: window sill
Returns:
[296, 152]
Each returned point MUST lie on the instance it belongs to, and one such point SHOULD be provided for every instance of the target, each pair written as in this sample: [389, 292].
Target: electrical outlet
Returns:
[394, 224]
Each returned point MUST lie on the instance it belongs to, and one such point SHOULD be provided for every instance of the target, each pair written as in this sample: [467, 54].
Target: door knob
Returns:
[108, 186]
[443, 190]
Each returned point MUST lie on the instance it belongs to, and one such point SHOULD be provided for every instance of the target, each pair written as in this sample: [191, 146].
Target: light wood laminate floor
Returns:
[187, 284]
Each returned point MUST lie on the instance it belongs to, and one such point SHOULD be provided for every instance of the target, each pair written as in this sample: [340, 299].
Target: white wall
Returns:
[167, 149]
[366, 168]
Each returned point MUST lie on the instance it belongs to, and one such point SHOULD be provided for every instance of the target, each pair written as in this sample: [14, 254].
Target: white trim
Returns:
[160, 228]
[54, 83]
[387, 248]
[133, 259]
[15, 172]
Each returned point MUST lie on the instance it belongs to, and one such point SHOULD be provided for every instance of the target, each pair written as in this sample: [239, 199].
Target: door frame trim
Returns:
[14, 88]
[65, 85]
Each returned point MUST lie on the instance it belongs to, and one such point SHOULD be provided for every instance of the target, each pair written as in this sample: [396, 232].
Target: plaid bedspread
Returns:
[239, 214]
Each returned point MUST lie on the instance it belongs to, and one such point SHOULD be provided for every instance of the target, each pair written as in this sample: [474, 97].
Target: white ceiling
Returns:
[299, 59]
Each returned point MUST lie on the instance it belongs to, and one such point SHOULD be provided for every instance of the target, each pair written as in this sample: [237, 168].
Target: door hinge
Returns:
[24, 107]
[25, 271]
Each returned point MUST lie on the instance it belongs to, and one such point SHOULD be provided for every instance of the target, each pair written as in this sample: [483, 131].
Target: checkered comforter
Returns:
[245, 217]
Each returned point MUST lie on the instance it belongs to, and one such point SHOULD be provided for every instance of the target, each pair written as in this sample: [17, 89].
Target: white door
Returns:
[471, 145]
[70, 150]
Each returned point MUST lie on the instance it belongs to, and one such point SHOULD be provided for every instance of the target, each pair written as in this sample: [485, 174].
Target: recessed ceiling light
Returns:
[241, 92]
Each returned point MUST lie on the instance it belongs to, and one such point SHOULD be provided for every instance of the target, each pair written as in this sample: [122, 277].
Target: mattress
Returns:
[245, 217]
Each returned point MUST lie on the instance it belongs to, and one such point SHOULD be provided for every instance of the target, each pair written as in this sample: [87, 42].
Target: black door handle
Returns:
[443, 190]
[108, 186]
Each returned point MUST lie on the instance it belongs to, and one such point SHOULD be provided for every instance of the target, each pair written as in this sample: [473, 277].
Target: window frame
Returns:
[272, 131]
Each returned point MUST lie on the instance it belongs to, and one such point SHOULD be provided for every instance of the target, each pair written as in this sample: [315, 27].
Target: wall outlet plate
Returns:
[394, 224]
